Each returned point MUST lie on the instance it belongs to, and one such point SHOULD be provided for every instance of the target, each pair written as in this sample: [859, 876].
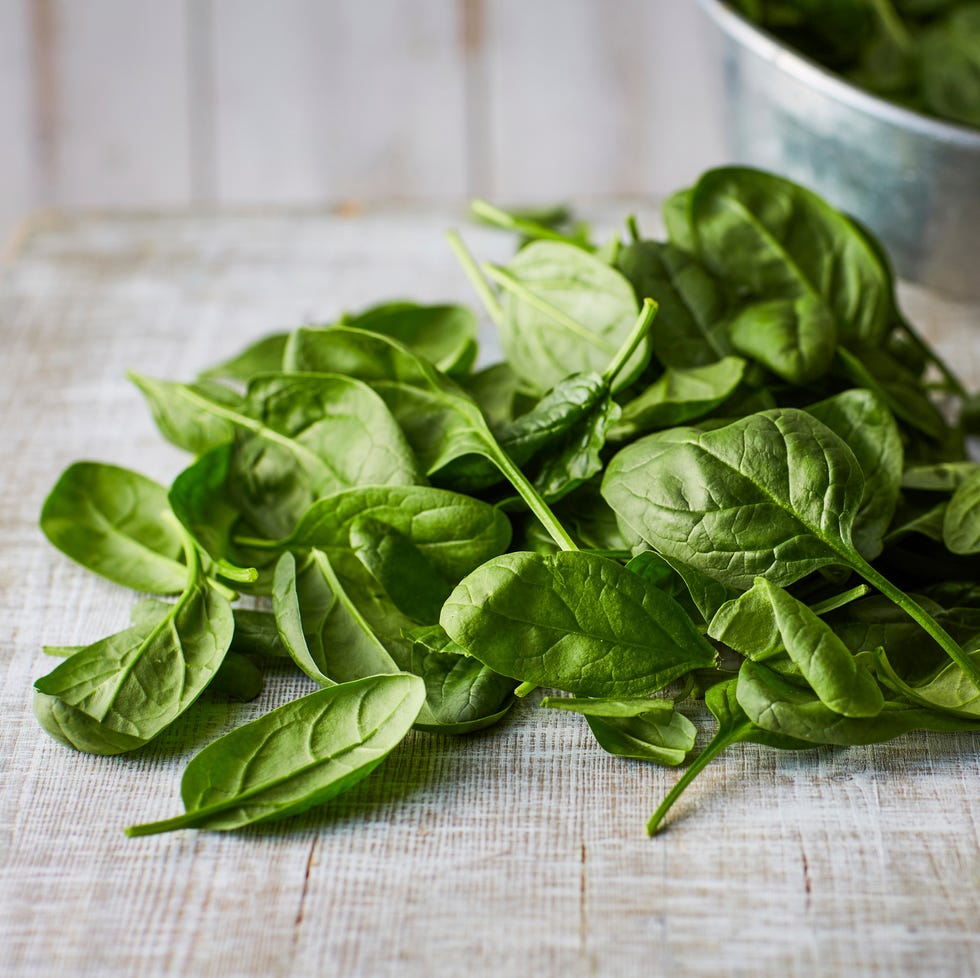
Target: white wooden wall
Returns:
[161, 103]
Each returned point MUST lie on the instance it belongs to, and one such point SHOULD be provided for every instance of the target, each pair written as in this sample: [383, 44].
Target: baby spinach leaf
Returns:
[939, 477]
[443, 335]
[565, 312]
[649, 737]
[264, 356]
[774, 494]
[575, 621]
[947, 689]
[680, 395]
[414, 585]
[764, 235]
[321, 625]
[455, 533]
[137, 682]
[961, 522]
[615, 708]
[692, 325]
[768, 621]
[867, 427]
[297, 756]
[238, 679]
[194, 417]
[794, 337]
[776, 705]
[117, 523]
[461, 694]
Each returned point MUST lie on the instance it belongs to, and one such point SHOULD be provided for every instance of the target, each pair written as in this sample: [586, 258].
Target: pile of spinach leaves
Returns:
[922, 54]
[721, 466]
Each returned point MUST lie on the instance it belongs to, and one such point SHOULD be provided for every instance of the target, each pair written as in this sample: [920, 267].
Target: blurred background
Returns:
[160, 104]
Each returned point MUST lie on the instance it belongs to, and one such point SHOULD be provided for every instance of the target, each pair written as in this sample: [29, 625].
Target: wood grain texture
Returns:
[115, 102]
[519, 851]
[598, 98]
[316, 101]
[19, 190]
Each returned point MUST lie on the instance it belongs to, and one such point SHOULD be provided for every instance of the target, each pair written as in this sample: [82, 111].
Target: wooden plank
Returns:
[19, 189]
[120, 97]
[338, 101]
[517, 851]
[589, 98]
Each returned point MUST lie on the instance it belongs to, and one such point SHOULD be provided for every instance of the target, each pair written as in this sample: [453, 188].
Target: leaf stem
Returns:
[524, 689]
[840, 600]
[641, 327]
[915, 611]
[710, 752]
[514, 285]
[531, 496]
[486, 212]
[473, 273]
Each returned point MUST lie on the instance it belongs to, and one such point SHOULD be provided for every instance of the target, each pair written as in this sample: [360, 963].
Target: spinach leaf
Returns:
[692, 325]
[122, 691]
[443, 335]
[642, 729]
[961, 522]
[767, 621]
[575, 621]
[117, 523]
[264, 356]
[764, 236]
[678, 396]
[794, 337]
[565, 311]
[781, 707]
[867, 427]
[297, 756]
[946, 690]
[773, 495]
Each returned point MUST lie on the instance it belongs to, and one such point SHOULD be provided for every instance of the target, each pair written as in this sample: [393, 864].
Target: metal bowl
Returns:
[915, 181]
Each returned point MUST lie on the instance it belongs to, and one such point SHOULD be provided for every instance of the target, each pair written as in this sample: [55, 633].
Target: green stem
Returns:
[717, 745]
[226, 592]
[524, 689]
[473, 273]
[916, 612]
[513, 284]
[486, 212]
[634, 228]
[839, 600]
[531, 496]
[640, 329]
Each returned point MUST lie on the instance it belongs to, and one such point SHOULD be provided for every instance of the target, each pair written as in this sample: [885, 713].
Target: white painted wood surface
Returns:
[149, 103]
[516, 852]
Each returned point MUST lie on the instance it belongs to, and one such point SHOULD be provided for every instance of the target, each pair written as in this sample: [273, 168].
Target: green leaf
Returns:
[692, 324]
[776, 705]
[867, 427]
[126, 689]
[117, 523]
[771, 238]
[296, 757]
[767, 621]
[774, 494]
[961, 523]
[264, 356]
[575, 621]
[795, 337]
[444, 335]
[947, 689]
[678, 396]
[570, 314]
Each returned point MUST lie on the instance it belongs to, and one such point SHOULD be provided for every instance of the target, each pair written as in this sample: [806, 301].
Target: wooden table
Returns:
[516, 852]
